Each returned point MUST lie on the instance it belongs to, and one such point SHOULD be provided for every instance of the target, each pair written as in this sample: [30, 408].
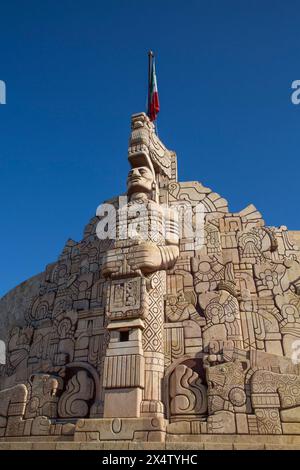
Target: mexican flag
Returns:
[153, 101]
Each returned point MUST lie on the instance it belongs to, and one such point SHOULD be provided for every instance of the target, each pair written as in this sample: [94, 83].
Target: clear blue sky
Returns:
[76, 70]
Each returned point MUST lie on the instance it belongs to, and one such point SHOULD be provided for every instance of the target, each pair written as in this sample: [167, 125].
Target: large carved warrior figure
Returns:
[137, 269]
[155, 327]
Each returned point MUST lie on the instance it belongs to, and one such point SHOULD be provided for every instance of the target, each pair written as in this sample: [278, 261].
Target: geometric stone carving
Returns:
[43, 396]
[188, 394]
[19, 345]
[226, 387]
[74, 401]
[127, 298]
[161, 334]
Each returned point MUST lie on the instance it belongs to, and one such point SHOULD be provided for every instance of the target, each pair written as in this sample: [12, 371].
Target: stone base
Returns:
[203, 442]
[121, 429]
[124, 403]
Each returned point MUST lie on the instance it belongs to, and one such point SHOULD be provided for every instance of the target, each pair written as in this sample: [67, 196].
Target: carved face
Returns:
[140, 180]
[226, 383]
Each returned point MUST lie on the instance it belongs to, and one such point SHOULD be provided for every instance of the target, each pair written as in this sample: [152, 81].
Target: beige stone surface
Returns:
[123, 403]
[291, 428]
[216, 446]
[13, 305]
[295, 236]
[218, 443]
[182, 328]
[248, 447]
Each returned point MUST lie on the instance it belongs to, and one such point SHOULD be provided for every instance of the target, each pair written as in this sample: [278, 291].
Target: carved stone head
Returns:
[226, 383]
[140, 180]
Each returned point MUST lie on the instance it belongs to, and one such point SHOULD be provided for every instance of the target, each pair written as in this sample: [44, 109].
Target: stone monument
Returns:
[172, 321]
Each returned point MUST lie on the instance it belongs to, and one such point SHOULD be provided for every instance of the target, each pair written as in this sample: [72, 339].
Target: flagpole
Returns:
[150, 58]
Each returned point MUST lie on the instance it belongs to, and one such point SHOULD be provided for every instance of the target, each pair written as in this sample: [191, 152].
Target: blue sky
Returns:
[76, 70]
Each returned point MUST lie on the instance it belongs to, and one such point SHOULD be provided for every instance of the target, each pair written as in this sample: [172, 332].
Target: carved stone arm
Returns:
[169, 255]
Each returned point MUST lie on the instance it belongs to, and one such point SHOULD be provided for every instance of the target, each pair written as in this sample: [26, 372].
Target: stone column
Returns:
[153, 348]
[123, 378]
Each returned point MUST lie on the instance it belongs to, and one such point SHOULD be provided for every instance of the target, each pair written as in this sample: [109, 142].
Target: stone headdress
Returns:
[146, 149]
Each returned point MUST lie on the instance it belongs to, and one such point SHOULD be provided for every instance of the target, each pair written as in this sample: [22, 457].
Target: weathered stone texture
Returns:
[186, 334]
[14, 304]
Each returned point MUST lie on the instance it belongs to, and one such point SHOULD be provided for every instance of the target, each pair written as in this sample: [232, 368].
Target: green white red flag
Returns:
[153, 99]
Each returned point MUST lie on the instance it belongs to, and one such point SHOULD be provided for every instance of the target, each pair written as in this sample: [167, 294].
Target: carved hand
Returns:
[146, 257]
[110, 264]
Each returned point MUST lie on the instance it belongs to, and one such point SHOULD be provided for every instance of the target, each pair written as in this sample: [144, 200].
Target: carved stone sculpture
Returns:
[171, 320]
